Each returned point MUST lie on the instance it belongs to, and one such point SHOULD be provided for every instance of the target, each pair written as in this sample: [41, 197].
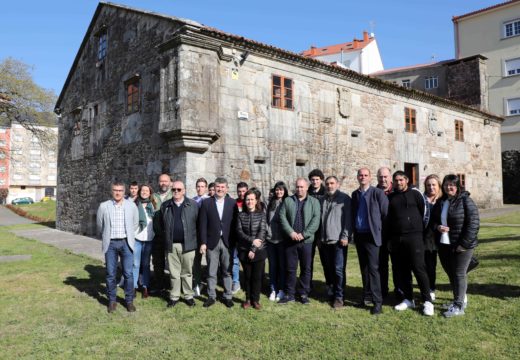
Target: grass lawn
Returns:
[53, 306]
[511, 218]
[44, 210]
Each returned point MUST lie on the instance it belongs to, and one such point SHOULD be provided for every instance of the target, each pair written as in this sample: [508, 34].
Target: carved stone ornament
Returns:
[344, 102]
[432, 123]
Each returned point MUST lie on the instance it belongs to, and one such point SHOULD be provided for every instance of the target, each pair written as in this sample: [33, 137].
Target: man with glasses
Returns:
[117, 221]
[215, 221]
[178, 224]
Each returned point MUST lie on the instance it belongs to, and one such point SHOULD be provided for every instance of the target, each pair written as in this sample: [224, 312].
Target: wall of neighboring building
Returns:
[5, 150]
[483, 33]
[33, 164]
[371, 58]
[350, 59]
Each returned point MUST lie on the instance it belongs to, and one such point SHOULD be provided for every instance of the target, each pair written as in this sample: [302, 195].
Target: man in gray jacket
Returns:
[117, 221]
[336, 230]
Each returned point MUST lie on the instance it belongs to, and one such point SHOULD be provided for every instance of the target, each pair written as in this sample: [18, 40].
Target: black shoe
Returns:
[286, 300]
[376, 310]
[190, 302]
[228, 302]
[305, 300]
[209, 302]
[172, 303]
[130, 307]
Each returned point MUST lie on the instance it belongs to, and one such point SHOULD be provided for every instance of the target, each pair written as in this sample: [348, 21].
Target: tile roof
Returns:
[456, 18]
[353, 45]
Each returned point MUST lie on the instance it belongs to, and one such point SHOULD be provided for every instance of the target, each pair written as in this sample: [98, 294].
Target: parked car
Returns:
[46, 198]
[22, 201]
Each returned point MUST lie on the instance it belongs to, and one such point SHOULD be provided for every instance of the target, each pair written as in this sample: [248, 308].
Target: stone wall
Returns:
[206, 111]
[467, 82]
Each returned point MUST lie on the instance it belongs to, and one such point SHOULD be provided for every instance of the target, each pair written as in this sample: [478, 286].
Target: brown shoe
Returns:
[145, 293]
[338, 304]
[112, 307]
[256, 305]
[246, 304]
[130, 307]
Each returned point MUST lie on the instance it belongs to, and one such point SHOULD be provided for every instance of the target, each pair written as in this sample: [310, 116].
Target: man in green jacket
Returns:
[300, 219]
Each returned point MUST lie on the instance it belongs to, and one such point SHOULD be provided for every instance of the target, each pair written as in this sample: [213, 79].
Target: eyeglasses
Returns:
[176, 190]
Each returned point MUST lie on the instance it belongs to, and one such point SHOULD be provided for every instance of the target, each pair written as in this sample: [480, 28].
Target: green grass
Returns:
[53, 306]
[44, 210]
[511, 218]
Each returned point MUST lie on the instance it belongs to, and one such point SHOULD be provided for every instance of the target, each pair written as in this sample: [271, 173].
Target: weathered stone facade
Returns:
[206, 111]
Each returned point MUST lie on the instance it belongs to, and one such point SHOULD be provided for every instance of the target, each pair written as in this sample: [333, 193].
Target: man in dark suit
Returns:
[215, 226]
[369, 209]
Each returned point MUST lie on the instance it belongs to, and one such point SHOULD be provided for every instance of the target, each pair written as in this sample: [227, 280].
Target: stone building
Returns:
[463, 80]
[149, 93]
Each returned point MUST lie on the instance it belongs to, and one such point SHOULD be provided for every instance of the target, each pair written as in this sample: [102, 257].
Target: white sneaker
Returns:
[272, 296]
[406, 304]
[280, 295]
[432, 295]
[428, 309]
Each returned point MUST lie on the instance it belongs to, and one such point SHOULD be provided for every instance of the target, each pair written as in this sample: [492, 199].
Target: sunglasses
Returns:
[176, 190]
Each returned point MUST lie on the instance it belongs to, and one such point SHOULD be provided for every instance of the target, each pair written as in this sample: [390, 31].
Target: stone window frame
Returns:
[511, 28]
[459, 130]
[431, 82]
[282, 97]
[102, 44]
[514, 68]
[133, 95]
[462, 180]
[410, 120]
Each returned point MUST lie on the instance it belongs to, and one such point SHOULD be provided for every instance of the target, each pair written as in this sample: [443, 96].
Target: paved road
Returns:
[7, 217]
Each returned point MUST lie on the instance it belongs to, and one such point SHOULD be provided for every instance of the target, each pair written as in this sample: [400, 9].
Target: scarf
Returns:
[143, 218]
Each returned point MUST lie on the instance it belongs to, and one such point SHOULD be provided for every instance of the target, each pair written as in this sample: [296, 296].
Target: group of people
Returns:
[391, 221]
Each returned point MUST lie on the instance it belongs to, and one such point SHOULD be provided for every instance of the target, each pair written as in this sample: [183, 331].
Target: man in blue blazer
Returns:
[369, 209]
[117, 221]
[216, 218]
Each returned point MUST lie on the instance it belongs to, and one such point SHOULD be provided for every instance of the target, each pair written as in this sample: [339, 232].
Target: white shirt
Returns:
[220, 209]
[445, 238]
[147, 233]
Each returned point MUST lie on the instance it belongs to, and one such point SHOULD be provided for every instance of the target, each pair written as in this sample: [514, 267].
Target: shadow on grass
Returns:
[500, 257]
[50, 224]
[93, 286]
[499, 291]
[503, 238]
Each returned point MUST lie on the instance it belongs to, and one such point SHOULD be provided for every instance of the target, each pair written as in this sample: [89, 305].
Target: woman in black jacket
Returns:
[251, 229]
[432, 194]
[456, 222]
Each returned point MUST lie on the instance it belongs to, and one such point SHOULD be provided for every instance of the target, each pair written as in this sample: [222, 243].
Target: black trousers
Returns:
[368, 254]
[298, 252]
[430, 260]
[408, 251]
[159, 263]
[253, 272]
[384, 258]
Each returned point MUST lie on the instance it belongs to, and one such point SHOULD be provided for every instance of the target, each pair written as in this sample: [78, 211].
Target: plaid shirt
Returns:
[117, 222]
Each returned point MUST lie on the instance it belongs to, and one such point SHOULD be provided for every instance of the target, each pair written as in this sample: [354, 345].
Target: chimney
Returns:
[365, 36]
[313, 50]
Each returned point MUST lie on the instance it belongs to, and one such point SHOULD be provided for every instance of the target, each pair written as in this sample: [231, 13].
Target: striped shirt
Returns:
[117, 221]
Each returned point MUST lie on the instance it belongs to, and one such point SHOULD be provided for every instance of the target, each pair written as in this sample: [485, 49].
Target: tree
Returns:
[24, 102]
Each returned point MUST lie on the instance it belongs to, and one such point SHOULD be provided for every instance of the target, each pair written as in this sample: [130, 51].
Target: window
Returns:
[52, 165]
[406, 83]
[2, 155]
[17, 177]
[512, 28]
[35, 140]
[2, 169]
[51, 177]
[462, 179]
[282, 93]
[34, 165]
[18, 138]
[431, 82]
[132, 95]
[409, 120]
[412, 171]
[512, 67]
[2, 143]
[513, 106]
[35, 152]
[102, 46]
[459, 130]
[34, 177]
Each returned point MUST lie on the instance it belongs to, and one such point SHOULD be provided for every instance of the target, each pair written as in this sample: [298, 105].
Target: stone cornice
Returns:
[192, 140]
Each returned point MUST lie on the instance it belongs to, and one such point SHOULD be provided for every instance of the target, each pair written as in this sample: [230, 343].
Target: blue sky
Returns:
[47, 34]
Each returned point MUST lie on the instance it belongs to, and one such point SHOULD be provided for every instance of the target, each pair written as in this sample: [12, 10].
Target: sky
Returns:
[47, 34]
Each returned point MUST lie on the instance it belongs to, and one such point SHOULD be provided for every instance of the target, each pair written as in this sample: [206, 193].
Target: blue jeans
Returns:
[335, 263]
[119, 249]
[277, 267]
[142, 253]
[236, 267]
